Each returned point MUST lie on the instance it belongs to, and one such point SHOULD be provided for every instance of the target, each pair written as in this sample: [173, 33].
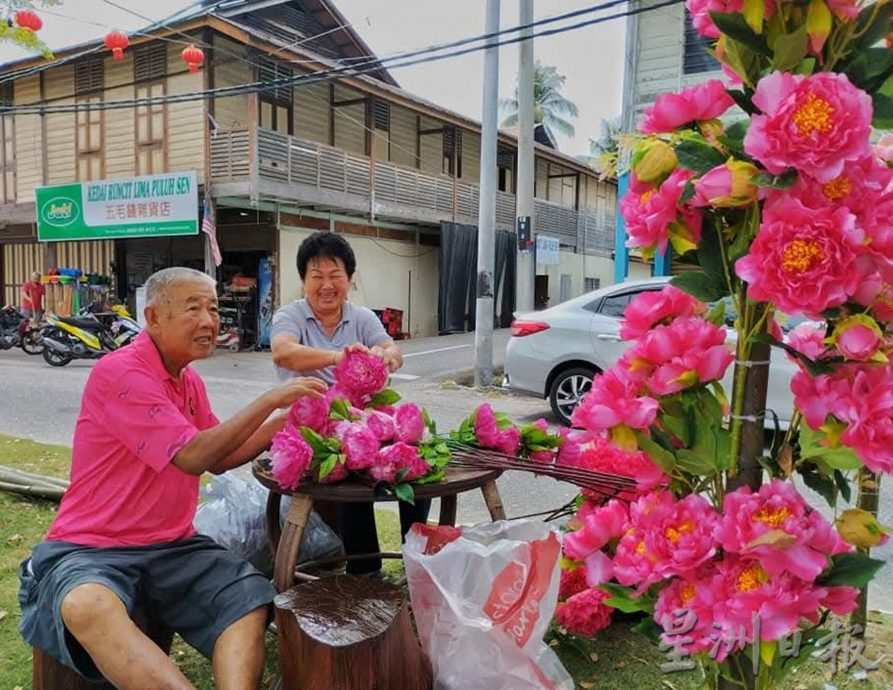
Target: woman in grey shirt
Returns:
[309, 337]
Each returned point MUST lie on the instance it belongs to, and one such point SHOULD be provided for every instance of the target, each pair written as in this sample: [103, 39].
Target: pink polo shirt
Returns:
[134, 419]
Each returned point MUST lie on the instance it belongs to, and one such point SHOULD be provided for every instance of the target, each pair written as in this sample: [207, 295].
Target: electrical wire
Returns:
[327, 75]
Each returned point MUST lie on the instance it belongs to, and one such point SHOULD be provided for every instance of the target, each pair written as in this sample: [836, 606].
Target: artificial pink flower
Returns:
[601, 455]
[486, 428]
[338, 473]
[687, 352]
[654, 216]
[585, 613]
[657, 307]
[573, 581]
[613, 400]
[814, 123]
[599, 568]
[694, 596]
[774, 527]
[410, 423]
[883, 149]
[382, 425]
[290, 457]
[671, 111]
[361, 446]
[545, 457]
[803, 259]
[727, 186]
[508, 441]
[310, 412]
[858, 341]
[399, 456]
[808, 340]
[702, 21]
[571, 448]
[361, 373]
[598, 526]
[841, 601]
[744, 587]
[868, 413]
[666, 538]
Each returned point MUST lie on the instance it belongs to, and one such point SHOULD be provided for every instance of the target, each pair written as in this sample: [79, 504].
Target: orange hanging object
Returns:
[194, 57]
[28, 19]
[117, 42]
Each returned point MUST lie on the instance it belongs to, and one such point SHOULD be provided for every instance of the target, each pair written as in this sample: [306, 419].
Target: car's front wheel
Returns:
[567, 391]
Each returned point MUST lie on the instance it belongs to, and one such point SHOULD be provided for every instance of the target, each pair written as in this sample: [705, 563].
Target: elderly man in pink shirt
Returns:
[124, 533]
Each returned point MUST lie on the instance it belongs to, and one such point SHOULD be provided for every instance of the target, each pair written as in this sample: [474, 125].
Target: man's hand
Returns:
[390, 354]
[284, 395]
[356, 347]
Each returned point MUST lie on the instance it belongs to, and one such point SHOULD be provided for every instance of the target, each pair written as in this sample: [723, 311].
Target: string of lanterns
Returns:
[116, 41]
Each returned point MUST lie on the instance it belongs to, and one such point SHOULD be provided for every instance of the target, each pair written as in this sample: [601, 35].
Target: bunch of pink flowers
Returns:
[763, 552]
[358, 427]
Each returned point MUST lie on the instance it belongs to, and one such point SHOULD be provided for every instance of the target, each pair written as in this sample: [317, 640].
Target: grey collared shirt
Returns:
[358, 325]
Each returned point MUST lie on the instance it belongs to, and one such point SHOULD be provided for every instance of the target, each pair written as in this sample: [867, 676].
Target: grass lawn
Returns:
[618, 658]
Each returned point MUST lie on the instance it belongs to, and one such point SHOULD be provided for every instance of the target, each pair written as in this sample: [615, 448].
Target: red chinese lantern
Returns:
[194, 57]
[117, 42]
[28, 20]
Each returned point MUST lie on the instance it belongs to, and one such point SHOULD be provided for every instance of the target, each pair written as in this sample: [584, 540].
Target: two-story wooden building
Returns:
[354, 154]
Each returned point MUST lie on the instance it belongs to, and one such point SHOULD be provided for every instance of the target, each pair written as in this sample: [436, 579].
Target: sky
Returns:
[590, 58]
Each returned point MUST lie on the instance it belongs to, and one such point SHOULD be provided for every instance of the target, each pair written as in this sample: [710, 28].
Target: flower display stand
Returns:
[346, 632]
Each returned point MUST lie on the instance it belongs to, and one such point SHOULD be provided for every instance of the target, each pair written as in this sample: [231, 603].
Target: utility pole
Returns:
[483, 324]
[526, 266]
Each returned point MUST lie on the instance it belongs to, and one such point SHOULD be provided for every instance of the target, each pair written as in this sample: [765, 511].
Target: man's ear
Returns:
[151, 314]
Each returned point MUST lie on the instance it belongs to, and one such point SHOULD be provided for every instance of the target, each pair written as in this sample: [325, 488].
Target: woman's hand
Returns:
[284, 395]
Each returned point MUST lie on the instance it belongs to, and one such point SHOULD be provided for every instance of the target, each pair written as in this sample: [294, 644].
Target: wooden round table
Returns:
[286, 541]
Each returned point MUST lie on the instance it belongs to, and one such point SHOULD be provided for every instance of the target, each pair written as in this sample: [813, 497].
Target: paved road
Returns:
[42, 403]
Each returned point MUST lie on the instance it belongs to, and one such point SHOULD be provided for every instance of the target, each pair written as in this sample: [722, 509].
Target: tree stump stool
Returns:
[49, 674]
[347, 633]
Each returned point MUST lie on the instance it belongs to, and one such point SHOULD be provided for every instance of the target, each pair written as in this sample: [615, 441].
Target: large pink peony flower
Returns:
[309, 412]
[361, 373]
[666, 538]
[290, 456]
[671, 358]
[399, 456]
[410, 424]
[598, 526]
[702, 21]
[657, 307]
[573, 581]
[774, 526]
[601, 455]
[382, 425]
[807, 339]
[653, 215]
[813, 123]
[486, 429]
[868, 412]
[584, 613]
[613, 400]
[803, 259]
[361, 446]
[697, 103]
[692, 594]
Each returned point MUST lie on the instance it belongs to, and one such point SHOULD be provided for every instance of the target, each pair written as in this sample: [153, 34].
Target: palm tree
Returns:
[608, 141]
[549, 106]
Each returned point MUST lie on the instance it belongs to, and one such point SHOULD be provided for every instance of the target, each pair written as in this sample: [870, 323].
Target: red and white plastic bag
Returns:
[483, 598]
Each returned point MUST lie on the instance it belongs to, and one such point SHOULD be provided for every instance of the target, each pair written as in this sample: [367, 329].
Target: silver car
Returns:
[554, 353]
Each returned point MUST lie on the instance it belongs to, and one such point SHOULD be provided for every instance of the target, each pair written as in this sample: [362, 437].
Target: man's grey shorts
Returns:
[193, 586]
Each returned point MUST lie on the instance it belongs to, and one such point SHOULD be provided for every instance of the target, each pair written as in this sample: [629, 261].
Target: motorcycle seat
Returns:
[85, 324]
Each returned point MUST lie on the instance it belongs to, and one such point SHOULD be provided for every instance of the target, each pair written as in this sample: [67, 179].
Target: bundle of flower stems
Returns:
[602, 483]
[30, 484]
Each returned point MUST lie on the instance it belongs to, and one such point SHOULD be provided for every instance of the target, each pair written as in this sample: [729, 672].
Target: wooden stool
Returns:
[49, 674]
[347, 633]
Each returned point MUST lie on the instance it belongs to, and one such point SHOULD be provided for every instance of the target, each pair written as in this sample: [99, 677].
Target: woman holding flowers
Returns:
[311, 335]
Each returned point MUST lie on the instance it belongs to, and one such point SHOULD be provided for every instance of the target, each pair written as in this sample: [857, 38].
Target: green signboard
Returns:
[148, 206]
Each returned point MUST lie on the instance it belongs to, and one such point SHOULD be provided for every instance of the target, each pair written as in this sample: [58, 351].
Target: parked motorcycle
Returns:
[89, 335]
[18, 330]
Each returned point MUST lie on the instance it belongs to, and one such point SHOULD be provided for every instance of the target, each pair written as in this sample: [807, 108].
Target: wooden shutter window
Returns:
[150, 62]
[381, 115]
[88, 76]
[269, 70]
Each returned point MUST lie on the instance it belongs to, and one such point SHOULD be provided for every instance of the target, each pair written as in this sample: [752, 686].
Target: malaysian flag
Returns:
[209, 227]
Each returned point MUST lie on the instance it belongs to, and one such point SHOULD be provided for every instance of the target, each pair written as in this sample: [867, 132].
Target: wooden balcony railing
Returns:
[384, 189]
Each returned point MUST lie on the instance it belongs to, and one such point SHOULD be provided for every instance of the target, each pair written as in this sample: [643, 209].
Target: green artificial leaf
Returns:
[648, 628]
[697, 155]
[327, 465]
[735, 26]
[661, 456]
[710, 259]
[873, 27]
[435, 475]
[733, 139]
[883, 111]
[340, 409]
[790, 49]
[429, 423]
[695, 462]
[401, 475]
[815, 368]
[819, 482]
[622, 598]
[699, 284]
[806, 67]
[679, 426]
[785, 180]
[386, 397]
[314, 440]
[754, 12]
[850, 570]
[840, 458]
[843, 485]
[405, 493]
[743, 100]
[717, 313]
[688, 192]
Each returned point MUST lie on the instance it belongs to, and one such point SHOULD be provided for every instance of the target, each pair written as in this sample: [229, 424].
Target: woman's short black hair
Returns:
[326, 245]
